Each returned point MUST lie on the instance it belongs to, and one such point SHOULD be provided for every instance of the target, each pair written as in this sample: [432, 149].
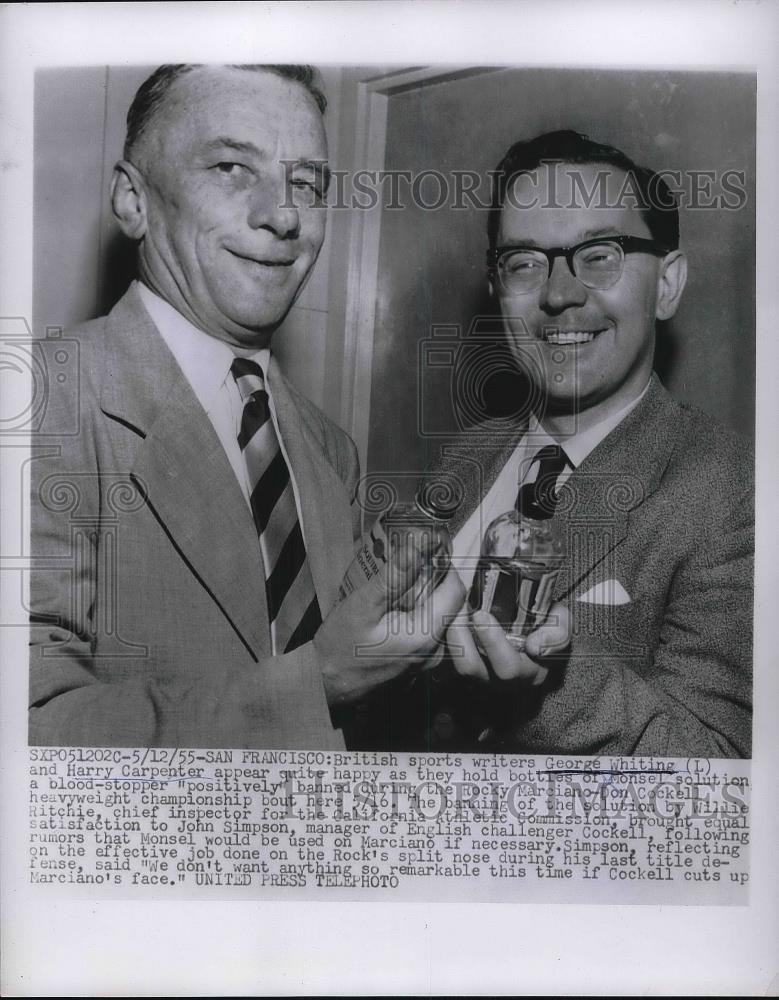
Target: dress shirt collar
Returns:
[578, 446]
[204, 360]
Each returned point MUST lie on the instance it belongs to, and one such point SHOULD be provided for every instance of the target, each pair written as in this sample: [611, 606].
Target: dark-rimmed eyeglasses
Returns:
[597, 263]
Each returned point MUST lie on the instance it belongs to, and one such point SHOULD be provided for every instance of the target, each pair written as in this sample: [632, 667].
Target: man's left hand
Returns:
[479, 648]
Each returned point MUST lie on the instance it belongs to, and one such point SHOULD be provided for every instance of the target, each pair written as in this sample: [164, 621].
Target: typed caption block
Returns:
[318, 825]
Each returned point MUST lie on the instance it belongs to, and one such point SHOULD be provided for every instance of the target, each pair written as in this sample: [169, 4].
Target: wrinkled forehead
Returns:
[567, 202]
[249, 106]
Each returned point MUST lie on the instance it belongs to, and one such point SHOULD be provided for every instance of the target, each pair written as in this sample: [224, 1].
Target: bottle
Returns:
[409, 545]
[515, 579]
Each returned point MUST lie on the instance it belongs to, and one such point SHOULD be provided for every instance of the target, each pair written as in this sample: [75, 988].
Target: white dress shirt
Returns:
[519, 469]
[205, 362]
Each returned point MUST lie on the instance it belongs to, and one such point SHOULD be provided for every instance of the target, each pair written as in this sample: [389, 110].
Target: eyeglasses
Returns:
[596, 263]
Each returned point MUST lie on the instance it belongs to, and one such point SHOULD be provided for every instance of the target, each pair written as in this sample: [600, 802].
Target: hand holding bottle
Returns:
[479, 647]
[408, 549]
[513, 628]
[361, 645]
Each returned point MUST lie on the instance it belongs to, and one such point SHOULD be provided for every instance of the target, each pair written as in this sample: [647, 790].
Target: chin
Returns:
[558, 398]
[255, 332]
[260, 319]
[559, 406]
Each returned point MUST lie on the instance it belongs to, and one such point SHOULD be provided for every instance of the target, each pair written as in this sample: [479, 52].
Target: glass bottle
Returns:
[409, 545]
[515, 579]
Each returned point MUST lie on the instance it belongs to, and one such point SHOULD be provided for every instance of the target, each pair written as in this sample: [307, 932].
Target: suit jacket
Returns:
[658, 580]
[149, 584]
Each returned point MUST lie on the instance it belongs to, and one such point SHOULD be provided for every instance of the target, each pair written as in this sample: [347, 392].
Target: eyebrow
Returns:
[222, 142]
[581, 237]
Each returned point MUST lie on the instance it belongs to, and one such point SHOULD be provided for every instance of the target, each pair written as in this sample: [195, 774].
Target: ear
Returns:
[128, 200]
[670, 284]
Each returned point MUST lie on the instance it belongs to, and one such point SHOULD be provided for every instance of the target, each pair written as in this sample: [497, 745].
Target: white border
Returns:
[86, 948]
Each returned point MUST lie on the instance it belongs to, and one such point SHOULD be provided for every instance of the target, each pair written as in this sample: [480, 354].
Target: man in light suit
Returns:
[654, 499]
[190, 538]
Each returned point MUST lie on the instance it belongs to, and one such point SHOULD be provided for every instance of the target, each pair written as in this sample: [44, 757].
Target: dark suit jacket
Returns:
[664, 506]
[149, 579]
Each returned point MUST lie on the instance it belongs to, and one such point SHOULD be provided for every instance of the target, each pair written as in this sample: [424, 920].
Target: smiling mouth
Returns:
[265, 261]
[551, 335]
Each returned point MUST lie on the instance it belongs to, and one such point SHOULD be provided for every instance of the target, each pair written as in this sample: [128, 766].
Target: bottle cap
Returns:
[439, 498]
[537, 511]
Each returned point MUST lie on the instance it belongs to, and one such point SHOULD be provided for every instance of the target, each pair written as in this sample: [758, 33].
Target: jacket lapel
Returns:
[619, 475]
[183, 471]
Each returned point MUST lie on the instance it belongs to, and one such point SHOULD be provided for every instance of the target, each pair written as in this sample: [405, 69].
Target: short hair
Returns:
[658, 204]
[151, 94]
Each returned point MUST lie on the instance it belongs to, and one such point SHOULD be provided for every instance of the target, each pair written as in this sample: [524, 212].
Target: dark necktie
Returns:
[539, 498]
[293, 609]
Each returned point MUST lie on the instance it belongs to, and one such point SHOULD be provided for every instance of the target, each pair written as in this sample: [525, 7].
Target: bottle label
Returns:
[409, 557]
[515, 592]
[370, 561]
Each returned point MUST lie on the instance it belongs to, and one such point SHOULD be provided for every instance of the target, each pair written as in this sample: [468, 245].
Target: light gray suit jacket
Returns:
[658, 517]
[148, 582]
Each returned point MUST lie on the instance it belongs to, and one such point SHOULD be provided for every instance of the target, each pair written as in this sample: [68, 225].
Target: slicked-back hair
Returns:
[657, 203]
[151, 94]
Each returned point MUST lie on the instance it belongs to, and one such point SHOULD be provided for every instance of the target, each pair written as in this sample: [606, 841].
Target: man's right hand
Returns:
[361, 645]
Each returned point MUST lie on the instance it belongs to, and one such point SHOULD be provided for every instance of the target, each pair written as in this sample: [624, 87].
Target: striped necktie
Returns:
[293, 608]
[539, 498]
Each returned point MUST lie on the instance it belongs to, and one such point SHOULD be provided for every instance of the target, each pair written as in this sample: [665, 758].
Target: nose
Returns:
[271, 208]
[561, 289]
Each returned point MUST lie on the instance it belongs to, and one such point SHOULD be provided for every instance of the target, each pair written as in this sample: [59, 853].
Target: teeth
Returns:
[571, 337]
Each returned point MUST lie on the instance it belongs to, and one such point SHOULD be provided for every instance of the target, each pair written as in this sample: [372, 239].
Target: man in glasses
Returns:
[654, 500]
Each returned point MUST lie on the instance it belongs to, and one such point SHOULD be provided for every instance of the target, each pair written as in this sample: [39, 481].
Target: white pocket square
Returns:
[606, 592]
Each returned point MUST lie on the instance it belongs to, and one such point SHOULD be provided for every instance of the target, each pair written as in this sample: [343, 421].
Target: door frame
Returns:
[364, 239]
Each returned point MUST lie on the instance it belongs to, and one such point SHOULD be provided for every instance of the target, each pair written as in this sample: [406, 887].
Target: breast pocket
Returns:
[622, 631]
